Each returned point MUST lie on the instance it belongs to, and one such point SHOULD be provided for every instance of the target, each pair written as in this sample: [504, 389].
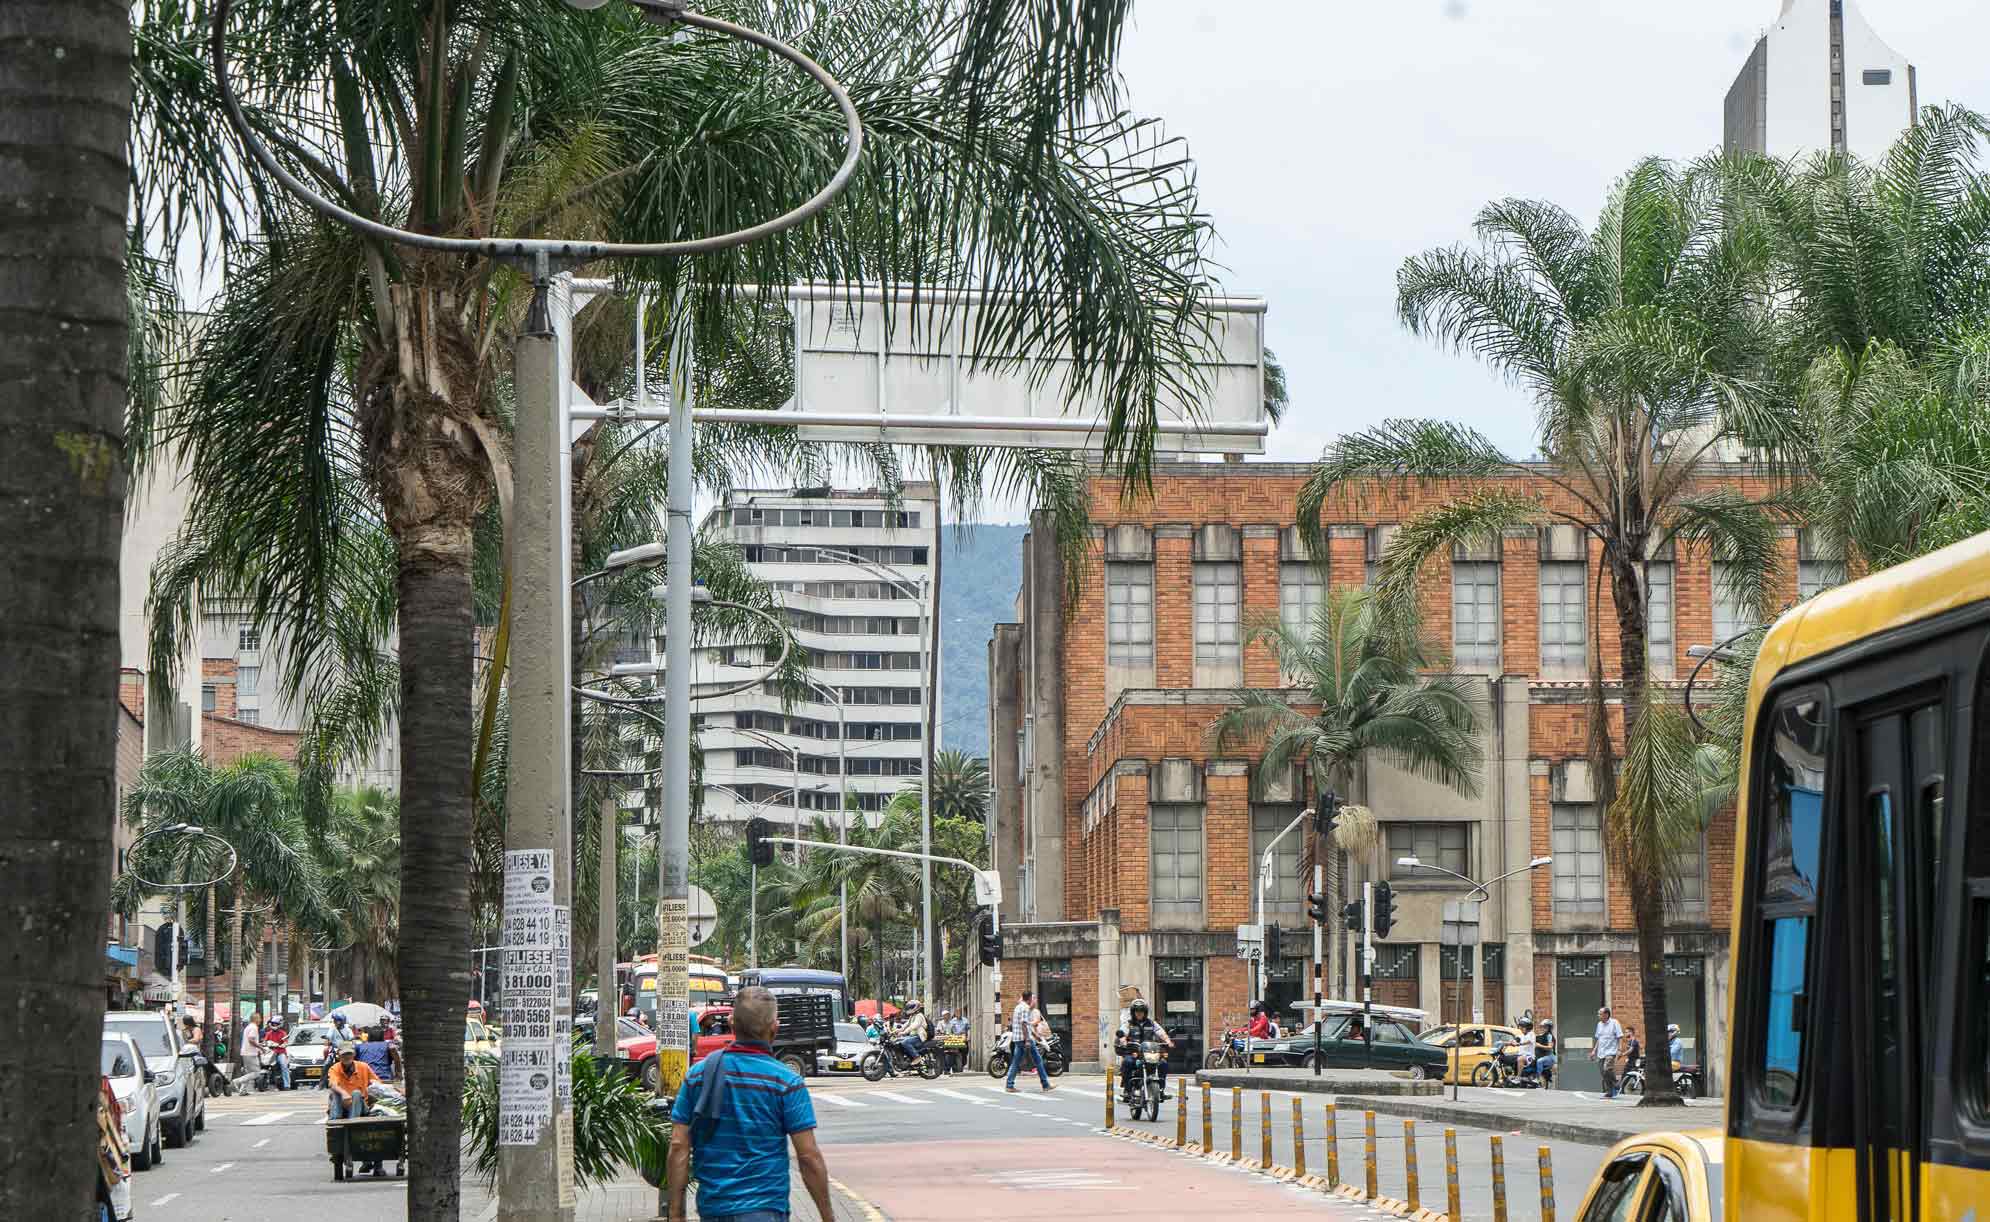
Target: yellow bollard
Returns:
[1547, 1186]
[1264, 1119]
[1298, 1139]
[1333, 1148]
[1181, 1119]
[1208, 1126]
[1498, 1182]
[1108, 1096]
[1236, 1124]
[1368, 1153]
[1409, 1164]
[1451, 1174]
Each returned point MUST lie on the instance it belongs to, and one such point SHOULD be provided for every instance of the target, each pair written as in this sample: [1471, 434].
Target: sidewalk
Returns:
[1557, 1115]
[630, 1199]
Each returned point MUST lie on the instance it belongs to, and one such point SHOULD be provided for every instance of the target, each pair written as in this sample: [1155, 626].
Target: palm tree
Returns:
[1364, 674]
[959, 786]
[1883, 336]
[1641, 343]
[359, 857]
[62, 489]
[344, 400]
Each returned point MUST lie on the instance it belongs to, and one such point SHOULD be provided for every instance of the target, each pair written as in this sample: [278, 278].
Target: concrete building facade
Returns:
[1127, 839]
[1818, 80]
[856, 573]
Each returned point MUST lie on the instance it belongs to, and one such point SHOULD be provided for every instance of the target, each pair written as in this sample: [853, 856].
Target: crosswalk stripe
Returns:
[898, 1098]
[167, 1199]
[964, 1097]
[222, 1167]
[266, 1118]
[840, 1101]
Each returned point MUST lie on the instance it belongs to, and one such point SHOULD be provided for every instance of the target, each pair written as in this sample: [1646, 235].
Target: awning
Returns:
[125, 956]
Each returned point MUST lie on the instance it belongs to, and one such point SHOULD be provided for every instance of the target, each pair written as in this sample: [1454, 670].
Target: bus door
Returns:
[1899, 760]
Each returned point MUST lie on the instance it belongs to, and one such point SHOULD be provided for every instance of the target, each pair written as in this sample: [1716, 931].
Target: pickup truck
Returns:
[807, 1027]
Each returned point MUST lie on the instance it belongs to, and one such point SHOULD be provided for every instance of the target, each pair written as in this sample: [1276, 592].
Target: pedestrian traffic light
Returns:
[991, 937]
[1385, 909]
[758, 851]
[1350, 913]
[1316, 908]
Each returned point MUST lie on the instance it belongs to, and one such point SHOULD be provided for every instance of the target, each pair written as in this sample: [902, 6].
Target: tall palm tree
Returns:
[359, 857]
[959, 786]
[1642, 343]
[1364, 673]
[63, 68]
[344, 399]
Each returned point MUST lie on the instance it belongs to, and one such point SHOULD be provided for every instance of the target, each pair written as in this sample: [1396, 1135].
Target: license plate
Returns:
[307, 1071]
[1257, 1058]
[846, 1064]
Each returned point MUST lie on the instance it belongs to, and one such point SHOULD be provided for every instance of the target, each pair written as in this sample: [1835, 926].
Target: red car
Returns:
[635, 1044]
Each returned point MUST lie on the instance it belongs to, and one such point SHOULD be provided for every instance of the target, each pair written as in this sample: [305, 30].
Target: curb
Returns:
[1503, 1122]
[1379, 1087]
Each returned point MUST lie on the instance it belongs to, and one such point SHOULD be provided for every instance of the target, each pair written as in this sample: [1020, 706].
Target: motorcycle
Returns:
[1498, 1070]
[1055, 1061]
[1685, 1079]
[926, 1064]
[1234, 1054]
[270, 1078]
[1144, 1091]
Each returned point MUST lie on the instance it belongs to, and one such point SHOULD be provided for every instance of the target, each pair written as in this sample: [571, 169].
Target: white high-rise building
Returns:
[1820, 79]
[855, 576]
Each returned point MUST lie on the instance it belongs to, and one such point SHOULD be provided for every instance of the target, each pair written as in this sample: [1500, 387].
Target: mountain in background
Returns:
[981, 570]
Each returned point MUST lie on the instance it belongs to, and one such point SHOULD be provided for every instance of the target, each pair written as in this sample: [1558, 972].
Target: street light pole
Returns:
[1483, 895]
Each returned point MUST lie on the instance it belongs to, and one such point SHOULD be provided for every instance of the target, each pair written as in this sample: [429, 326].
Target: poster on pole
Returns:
[564, 1158]
[525, 1092]
[526, 1067]
[673, 948]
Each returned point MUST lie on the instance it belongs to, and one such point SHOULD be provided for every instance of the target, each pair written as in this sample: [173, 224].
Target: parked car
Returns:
[313, 1048]
[478, 1041]
[178, 1068]
[635, 1052]
[852, 1046]
[132, 1086]
[1473, 1044]
[1676, 1176]
[1395, 1047]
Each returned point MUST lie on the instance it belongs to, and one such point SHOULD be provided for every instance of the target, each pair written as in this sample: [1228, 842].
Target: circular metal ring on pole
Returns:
[1705, 658]
[553, 248]
[181, 829]
[772, 668]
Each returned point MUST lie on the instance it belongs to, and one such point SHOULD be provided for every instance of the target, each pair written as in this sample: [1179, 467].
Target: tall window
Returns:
[1175, 834]
[247, 680]
[1816, 572]
[1564, 637]
[1578, 849]
[1660, 641]
[1475, 615]
[1299, 592]
[1731, 615]
[1129, 614]
[1686, 895]
[1266, 822]
[1218, 606]
[208, 697]
[1444, 845]
[249, 638]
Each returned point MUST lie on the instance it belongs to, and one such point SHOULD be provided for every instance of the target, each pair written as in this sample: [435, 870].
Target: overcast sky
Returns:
[1335, 139]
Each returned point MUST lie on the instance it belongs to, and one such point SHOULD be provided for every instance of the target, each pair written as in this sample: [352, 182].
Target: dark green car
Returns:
[1395, 1047]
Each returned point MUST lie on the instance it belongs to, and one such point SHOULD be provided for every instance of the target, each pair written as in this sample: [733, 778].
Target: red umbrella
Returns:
[868, 1008]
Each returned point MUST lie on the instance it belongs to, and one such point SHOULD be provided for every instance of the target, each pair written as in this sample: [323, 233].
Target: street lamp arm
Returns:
[860, 848]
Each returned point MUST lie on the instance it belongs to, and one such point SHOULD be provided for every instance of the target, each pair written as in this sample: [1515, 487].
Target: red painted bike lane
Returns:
[1060, 1176]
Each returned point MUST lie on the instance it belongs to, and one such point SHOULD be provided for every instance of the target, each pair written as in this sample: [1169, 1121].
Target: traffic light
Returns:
[1326, 814]
[1272, 944]
[1350, 914]
[1316, 908]
[991, 938]
[758, 851]
[162, 946]
[1385, 909]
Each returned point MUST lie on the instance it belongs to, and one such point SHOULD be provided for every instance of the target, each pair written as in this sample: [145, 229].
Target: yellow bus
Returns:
[1859, 1055]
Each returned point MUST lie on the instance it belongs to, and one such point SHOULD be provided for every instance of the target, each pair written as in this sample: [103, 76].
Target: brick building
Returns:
[1127, 841]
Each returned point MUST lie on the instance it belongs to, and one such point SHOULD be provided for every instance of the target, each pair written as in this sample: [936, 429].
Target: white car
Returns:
[852, 1046]
[178, 1070]
[137, 1096]
[312, 1050]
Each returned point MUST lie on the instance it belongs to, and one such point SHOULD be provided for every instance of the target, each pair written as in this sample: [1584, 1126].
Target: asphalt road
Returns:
[959, 1149]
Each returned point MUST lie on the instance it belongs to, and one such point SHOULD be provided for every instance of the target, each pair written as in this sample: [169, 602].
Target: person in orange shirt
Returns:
[347, 1084]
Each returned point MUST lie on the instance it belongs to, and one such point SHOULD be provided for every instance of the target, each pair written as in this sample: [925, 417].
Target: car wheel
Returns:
[158, 1148]
[1418, 1073]
[651, 1075]
[200, 1118]
[141, 1157]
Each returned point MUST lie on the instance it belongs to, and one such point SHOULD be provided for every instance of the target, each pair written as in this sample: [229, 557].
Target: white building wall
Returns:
[156, 507]
[1799, 92]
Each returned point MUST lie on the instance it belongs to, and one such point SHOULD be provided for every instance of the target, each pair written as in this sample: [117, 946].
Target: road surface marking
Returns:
[839, 1101]
[885, 1094]
[259, 1145]
[1056, 1180]
[222, 1167]
[167, 1199]
[266, 1118]
[954, 1094]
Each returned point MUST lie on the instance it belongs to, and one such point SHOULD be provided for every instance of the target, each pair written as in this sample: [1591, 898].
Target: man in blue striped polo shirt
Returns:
[733, 1119]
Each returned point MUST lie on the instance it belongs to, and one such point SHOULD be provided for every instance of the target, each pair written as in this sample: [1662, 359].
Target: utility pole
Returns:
[673, 944]
[1368, 975]
[607, 993]
[535, 1168]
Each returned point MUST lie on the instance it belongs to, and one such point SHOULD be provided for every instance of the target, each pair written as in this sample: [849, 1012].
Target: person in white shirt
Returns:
[1609, 1043]
[1022, 1025]
[252, 1046]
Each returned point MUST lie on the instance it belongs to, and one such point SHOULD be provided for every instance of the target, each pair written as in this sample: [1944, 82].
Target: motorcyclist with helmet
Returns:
[1138, 1029]
[1260, 1027]
[915, 1029]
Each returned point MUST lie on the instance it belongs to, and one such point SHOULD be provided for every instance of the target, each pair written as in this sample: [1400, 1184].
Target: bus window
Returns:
[1976, 865]
[1789, 846]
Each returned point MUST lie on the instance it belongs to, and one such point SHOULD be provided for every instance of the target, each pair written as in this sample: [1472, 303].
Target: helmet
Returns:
[913, 1006]
[1139, 1007]
[1526, 1023]
[1672, 1028]
[1257, 1007]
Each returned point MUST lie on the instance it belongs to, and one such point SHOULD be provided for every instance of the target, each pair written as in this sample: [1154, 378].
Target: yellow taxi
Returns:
[1466, 1047]
[1671, 1176]
[478, 1040]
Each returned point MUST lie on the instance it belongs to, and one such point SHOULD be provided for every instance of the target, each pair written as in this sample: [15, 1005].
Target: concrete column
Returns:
[1109, 982]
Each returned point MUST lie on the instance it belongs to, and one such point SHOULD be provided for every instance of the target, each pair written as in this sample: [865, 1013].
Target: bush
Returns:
[615, 1124]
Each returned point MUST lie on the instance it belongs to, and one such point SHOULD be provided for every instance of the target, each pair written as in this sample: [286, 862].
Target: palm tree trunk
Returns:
[436, 745]
[65, 71]
[1647, 890]
[213, 961]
